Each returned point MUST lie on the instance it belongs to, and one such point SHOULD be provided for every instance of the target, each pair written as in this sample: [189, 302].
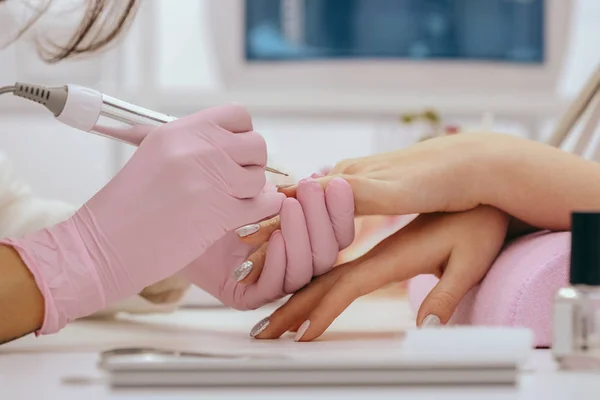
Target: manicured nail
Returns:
[243, 270]
[431, 321]
[283, 186]
[302, 330]
[247, 230]
[258, 328]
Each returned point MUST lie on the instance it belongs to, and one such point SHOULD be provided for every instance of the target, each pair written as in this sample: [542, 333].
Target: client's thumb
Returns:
[444, 298]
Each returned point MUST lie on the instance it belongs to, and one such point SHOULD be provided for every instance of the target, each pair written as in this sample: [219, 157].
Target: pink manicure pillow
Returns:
[519, 288]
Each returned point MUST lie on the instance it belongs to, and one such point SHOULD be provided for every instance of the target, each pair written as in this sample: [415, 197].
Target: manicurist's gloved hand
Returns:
[262, 262]
[189, 183]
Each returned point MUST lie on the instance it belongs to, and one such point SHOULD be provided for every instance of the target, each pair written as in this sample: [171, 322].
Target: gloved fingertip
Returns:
[339, 181]
[340, 192]
[307, 181]
[340, 205]
[309, 190]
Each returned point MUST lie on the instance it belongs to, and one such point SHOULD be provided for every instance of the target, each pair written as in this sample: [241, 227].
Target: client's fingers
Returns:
[249, 271]
[272, 277]
[364, 278]
[318, 296]
[295, 327]
[298, 307]
[466, 266]
[454, 284]
[397, 258]
[323, 242]
[256, 234]
[347, 289]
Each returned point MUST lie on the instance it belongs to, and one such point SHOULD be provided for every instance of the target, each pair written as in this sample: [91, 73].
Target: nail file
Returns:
[460, 355]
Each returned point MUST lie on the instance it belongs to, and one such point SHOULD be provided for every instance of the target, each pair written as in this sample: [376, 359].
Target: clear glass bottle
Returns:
[576, 325]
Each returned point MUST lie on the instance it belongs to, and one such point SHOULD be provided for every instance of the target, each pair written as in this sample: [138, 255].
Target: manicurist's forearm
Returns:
[21, 303]
[541, 185]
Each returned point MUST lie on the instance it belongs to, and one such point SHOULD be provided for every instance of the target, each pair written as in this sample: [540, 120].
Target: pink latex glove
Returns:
[314, 229]
[188, 184]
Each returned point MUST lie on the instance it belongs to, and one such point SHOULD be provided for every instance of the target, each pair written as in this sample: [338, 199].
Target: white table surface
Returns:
[40, 368]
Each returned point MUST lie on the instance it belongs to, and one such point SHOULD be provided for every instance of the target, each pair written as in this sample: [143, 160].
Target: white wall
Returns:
[69, 165]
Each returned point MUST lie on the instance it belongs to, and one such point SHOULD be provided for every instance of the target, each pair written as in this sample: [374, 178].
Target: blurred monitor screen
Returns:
[503, 31]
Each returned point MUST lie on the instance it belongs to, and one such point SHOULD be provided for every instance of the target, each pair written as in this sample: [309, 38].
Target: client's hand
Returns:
[458, 248]
[533, 182]
[262, 262]
[437, 175]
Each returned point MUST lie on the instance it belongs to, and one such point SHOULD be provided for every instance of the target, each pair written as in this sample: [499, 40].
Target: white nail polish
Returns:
[302, 330]
[431, 321]
[247, 230]
[243, 270]
[261, 326]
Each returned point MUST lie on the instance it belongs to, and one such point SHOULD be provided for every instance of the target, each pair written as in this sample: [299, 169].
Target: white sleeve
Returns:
[22, 212]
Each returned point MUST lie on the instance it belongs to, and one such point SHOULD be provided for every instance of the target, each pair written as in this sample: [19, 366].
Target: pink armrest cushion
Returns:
[517, 291]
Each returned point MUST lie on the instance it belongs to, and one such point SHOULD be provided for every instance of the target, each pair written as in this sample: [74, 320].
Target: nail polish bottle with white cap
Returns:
[576, 325]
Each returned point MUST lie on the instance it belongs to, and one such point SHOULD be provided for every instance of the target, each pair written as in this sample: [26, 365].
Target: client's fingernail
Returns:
[258, 328]
[285, 185]
[243, 270]
[247, 230]
[431, 321]
[302, 330]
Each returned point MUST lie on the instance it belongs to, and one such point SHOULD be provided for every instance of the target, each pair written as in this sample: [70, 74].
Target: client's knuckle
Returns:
[342, 166]
[352, 166]
[354, 180]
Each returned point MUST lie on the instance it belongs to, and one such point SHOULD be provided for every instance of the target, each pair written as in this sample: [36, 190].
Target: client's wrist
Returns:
[487, 171]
